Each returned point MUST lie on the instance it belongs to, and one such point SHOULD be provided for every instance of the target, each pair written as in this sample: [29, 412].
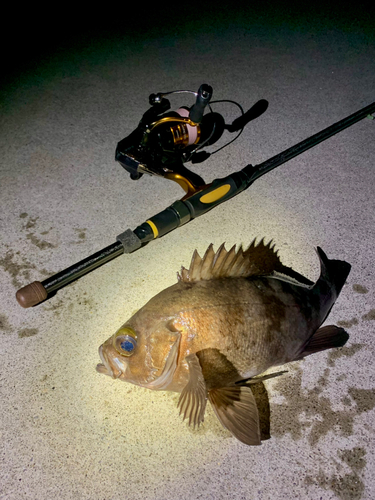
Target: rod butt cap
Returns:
[31, 295]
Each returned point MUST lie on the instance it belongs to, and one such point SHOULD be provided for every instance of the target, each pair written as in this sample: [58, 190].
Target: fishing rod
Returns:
[160, 145]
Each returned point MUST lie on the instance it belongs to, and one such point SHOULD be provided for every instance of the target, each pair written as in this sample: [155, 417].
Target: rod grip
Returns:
[31, 294]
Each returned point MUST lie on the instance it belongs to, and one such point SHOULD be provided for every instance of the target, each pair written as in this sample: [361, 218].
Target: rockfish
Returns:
[231, 316]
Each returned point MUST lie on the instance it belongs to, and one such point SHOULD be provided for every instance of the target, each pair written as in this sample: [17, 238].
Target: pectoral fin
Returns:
[237, 411]
[193, 398]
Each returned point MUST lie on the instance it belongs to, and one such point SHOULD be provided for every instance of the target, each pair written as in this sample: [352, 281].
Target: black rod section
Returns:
[83, 267]
[258, 170]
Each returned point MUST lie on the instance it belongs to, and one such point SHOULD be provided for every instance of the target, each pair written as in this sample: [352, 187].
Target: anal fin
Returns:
[327, 337]
[237, 411]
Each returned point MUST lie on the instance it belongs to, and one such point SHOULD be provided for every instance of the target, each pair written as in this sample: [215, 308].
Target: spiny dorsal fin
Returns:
[258, 259]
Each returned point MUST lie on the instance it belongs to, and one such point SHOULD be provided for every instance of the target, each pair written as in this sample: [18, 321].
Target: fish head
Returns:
[144, 352]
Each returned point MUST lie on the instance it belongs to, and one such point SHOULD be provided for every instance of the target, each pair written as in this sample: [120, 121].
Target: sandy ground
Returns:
[68, 432]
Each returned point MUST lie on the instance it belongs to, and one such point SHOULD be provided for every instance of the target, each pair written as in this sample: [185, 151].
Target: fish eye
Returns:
[125, 341]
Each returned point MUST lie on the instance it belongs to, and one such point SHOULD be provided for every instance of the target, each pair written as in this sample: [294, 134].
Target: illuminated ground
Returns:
[68, 432]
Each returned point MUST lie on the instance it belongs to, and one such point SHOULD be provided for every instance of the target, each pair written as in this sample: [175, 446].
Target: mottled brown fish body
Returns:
[231, 316]
[254, 323]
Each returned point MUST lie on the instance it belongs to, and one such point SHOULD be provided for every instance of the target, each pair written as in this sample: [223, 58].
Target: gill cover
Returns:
[162, 352]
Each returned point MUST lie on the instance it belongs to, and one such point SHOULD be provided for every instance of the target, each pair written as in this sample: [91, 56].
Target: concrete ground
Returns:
[68, 95]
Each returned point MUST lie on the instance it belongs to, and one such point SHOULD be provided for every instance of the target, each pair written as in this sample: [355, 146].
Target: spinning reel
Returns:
[165, 140]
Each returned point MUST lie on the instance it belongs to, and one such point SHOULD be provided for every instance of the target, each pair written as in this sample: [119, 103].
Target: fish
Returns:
[231, 316]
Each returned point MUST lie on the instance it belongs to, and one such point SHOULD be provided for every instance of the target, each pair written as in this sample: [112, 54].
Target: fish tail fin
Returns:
[326, 337]
[332, 272]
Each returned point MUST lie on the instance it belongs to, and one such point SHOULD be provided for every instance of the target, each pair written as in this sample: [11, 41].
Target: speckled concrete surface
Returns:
[68, 432]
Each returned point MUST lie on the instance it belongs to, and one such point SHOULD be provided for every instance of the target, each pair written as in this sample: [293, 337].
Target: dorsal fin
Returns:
[259, 259]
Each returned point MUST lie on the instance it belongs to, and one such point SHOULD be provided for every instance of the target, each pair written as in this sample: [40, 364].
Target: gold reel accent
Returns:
[181, 138]
[179, 131]
[187, 185]
[180, 135]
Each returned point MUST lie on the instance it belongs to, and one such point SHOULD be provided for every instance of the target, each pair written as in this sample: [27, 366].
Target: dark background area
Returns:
[32, 36]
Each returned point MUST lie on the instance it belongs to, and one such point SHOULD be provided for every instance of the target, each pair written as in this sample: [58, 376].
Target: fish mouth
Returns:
[106, 367]
[100, 368]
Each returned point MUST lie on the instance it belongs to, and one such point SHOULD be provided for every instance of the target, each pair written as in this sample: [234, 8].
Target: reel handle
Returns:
[203, 98]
